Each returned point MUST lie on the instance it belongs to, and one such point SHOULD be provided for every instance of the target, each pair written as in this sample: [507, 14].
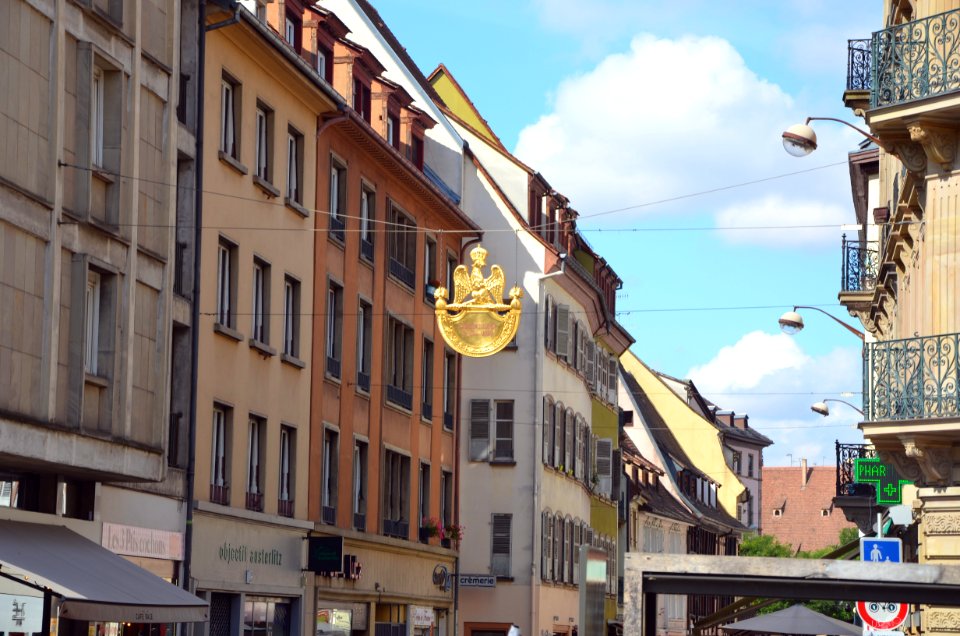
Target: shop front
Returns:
[388, 589]
[251, 574]
[59, 582]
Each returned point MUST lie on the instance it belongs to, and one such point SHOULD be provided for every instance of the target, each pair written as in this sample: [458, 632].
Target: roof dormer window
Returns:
[292, 27]
[361, 98]
[393, 130]
[416, 148]
[324, 62]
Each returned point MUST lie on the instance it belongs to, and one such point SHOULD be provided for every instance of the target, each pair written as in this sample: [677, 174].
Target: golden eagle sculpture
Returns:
[478, 322]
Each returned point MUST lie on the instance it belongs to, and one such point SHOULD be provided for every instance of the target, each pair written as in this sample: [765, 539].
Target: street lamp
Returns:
[799, 140]
[791, 322]
[822, 408]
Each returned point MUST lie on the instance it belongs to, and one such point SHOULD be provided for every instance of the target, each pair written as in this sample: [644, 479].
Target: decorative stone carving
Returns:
[911, 155]
[942, 620]
[939, 142]
[940, 523]
[935, 462]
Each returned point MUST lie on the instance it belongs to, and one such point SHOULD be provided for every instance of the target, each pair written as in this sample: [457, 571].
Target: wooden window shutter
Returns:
[479, 430]
[547, 431]
[500, 549]
[563, 331]
[604, 465]
[503, 447]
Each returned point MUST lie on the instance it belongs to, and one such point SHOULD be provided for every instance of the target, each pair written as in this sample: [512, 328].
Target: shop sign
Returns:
[21, 613]
[325, 555]
[142, 542]
[421, 616]
[232, 553]
[478, 580]
[886, 482]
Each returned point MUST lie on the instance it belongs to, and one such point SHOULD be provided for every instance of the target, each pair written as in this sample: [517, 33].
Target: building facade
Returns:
[798, 506]
[88, 174]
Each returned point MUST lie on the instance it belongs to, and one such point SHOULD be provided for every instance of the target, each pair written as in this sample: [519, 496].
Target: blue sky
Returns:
[645, 105]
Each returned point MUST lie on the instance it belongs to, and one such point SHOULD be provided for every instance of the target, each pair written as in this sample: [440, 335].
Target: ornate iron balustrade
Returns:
[861, 261]
[917, 59]
[858, 65]
[911, 379]
[847, 454]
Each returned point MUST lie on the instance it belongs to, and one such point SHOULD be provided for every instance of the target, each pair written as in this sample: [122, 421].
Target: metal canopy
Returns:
[646, 575]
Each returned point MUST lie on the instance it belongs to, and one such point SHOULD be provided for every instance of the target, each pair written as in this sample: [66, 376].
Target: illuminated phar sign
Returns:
[478, 322]
[886, 482]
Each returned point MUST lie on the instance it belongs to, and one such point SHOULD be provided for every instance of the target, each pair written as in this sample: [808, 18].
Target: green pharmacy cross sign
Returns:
[886, 482]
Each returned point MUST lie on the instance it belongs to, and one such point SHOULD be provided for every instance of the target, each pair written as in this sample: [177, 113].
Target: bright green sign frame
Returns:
[886, 482]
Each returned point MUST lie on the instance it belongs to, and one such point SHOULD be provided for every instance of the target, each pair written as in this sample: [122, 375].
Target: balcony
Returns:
[402, 273]
[285, 507]
[912, 379]
[255, 501]
[856, 500]
[359, 521]
[401, 398]
[328, 515]
[366, 249]
[426, 411]
[363, 381]
[337, 228]
[858, 275]
[916, 60]
[220, 494]
[333, 367]
[859, 66]
[396, 528]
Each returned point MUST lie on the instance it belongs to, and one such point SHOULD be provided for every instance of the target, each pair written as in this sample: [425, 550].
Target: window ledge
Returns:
[229, 332]
[96, 380]
[333, 379]
[296, 207]
[233, 163]
[266, 186]
[503, 462]
[263, 348]
[103, 175]
[292, 360]
[397, 407]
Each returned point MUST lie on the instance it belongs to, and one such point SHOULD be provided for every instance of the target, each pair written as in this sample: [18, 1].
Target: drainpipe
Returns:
[538, 448]
[195, 297]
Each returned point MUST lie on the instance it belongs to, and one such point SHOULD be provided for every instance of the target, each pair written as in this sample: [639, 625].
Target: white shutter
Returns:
[592, 366]
[605, 465]
[612, 380]
[479, 430]
[547, 431]
[563, 331]
[557, 435]
[500, 545]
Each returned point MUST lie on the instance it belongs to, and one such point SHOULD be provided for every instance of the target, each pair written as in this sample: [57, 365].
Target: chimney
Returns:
[803, 473]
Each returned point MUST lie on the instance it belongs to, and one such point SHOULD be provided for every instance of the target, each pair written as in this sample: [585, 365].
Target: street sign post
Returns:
[882, 616]
[881, 549]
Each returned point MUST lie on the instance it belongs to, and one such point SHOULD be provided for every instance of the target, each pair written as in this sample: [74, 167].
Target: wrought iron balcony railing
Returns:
[911, 379]
[917, 59]
[861, 262]
[847, 454]
[858, 65]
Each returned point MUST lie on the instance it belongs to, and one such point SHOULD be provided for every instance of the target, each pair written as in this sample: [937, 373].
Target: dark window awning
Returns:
[93, 584]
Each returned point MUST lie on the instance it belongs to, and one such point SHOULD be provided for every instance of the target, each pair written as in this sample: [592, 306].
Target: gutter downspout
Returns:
[537, 448]
[195, 298]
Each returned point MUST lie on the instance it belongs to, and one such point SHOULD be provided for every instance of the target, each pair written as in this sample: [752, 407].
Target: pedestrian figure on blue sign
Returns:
[875, 554]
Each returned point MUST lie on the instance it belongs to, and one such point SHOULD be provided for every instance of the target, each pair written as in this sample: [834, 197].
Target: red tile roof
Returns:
[802, 522]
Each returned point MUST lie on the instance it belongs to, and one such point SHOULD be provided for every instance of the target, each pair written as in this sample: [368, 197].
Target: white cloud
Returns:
[667, 117]
[774, 210]
[771, 379]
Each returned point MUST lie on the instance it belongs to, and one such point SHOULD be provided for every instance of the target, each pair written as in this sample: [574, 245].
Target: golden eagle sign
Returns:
[478, 322]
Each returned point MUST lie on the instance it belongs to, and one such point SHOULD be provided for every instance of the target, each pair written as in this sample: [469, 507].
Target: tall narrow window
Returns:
[294, 166]
[328, 485]
[291, 316]
[446, 497]
[255, 442]
[226, 283]
[262, 149]
[359, 484]
[451, 267]
[364, 344]
[426, 381]
[449, 388]
[547, 431]
[396, 495]
[334, 335]
[749, 464]
[287, 450]
[261, 301]
[393, 131]
[417, 149]
[400, 364]
[322, 56]
[290, 31]
[96, 118]
[367, 203]
[338, 199]
[479, 430]
[503, 446]
[424, 492]
[500, 545]
[92, 324]
[219, 466]
[430, 282]
[402, 237]
[229, 102]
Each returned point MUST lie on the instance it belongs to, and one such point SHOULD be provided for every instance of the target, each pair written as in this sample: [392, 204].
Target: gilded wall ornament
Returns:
[478, 322]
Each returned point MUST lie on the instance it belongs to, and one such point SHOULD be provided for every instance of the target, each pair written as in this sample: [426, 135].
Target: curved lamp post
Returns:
[799, 140]
[791, 322]
[822, 408]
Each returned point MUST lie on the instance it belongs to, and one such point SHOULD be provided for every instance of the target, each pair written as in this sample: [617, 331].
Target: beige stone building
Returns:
[901, 277]
[88, 161]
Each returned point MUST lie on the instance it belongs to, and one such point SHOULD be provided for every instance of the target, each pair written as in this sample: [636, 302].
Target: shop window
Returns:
[266, 617]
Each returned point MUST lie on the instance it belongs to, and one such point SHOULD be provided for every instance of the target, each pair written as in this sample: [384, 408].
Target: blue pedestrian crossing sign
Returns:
[881, 550]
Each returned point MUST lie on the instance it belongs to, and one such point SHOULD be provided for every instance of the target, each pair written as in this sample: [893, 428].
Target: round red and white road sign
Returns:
[882, 615]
